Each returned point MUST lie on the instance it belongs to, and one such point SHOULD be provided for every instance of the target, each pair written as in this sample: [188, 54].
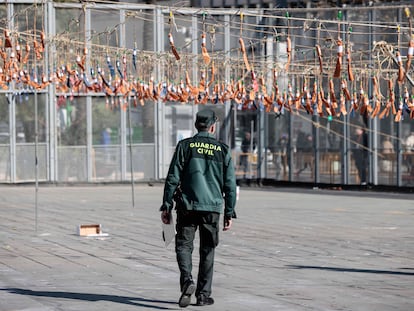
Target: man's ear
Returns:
[212, 128]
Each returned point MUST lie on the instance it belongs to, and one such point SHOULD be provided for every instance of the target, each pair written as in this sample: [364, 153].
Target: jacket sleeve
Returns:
[173, 178]
[229, 188]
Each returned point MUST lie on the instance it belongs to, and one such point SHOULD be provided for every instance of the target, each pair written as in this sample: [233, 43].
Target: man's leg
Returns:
[209, 239]
[363, 169]
[184, 245]
[184, 249]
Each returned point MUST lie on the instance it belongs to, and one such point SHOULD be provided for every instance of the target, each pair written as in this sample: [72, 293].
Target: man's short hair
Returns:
[205, 118]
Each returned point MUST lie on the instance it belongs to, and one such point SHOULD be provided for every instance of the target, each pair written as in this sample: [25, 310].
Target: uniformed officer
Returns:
[201, 171]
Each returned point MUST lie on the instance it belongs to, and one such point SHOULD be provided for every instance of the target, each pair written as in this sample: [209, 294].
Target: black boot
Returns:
[204, 301]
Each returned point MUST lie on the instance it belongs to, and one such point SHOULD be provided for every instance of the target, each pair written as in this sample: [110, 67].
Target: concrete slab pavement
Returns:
[290, 249]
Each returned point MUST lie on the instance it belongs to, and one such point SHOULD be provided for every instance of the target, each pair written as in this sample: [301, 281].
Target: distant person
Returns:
[304, 147]
[387, 151]
[360, 153]
[409, 146]
[247, 147]
[106, 136]
[106, 141]
[282, 144]
[282, 154]
[409, 142]
[387, 146]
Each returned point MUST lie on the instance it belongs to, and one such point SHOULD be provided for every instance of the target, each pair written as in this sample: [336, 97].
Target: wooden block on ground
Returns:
[89, 230]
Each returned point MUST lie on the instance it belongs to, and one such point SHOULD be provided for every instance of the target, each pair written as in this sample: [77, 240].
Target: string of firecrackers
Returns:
[16, 59]
[149, 89]
[120, 83]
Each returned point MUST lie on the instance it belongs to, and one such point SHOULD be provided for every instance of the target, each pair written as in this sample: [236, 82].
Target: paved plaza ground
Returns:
[289, 250]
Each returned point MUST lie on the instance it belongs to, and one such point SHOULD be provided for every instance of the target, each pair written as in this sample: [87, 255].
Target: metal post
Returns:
[12, 140]
[130, 153]
[345, 158]
[36, 156]
[315, 133]
[194, 51]
[346, 163]
[399, 154]
[251, 148]
[52, 119]
[373, 137]
[230, 113]
[290, 147]
[160, 160]
[124, 123]
[36, 134]
[228, 103]
[268, 69]
[89, 148]
[399, 134]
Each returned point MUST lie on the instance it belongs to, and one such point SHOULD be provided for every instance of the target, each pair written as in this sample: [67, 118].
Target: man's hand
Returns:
[165, 217]
[227, 223]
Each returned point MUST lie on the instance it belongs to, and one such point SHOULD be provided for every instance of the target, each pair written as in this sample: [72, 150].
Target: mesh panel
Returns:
[72, 164]
[25, 162]
[4, 163]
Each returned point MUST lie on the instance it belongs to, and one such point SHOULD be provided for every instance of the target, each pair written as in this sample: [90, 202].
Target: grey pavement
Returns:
[289, 249]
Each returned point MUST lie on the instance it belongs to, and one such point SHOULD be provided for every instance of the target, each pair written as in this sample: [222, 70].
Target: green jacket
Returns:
[204, 169]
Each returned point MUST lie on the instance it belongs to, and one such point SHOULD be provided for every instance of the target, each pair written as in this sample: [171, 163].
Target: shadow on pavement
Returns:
[135, 301]
[351, 270]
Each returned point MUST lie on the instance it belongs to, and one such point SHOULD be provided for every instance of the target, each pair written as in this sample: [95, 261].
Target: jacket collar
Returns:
[205, 134]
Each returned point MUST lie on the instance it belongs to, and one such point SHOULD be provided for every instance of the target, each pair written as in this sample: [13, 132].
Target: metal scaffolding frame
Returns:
[163, 141]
